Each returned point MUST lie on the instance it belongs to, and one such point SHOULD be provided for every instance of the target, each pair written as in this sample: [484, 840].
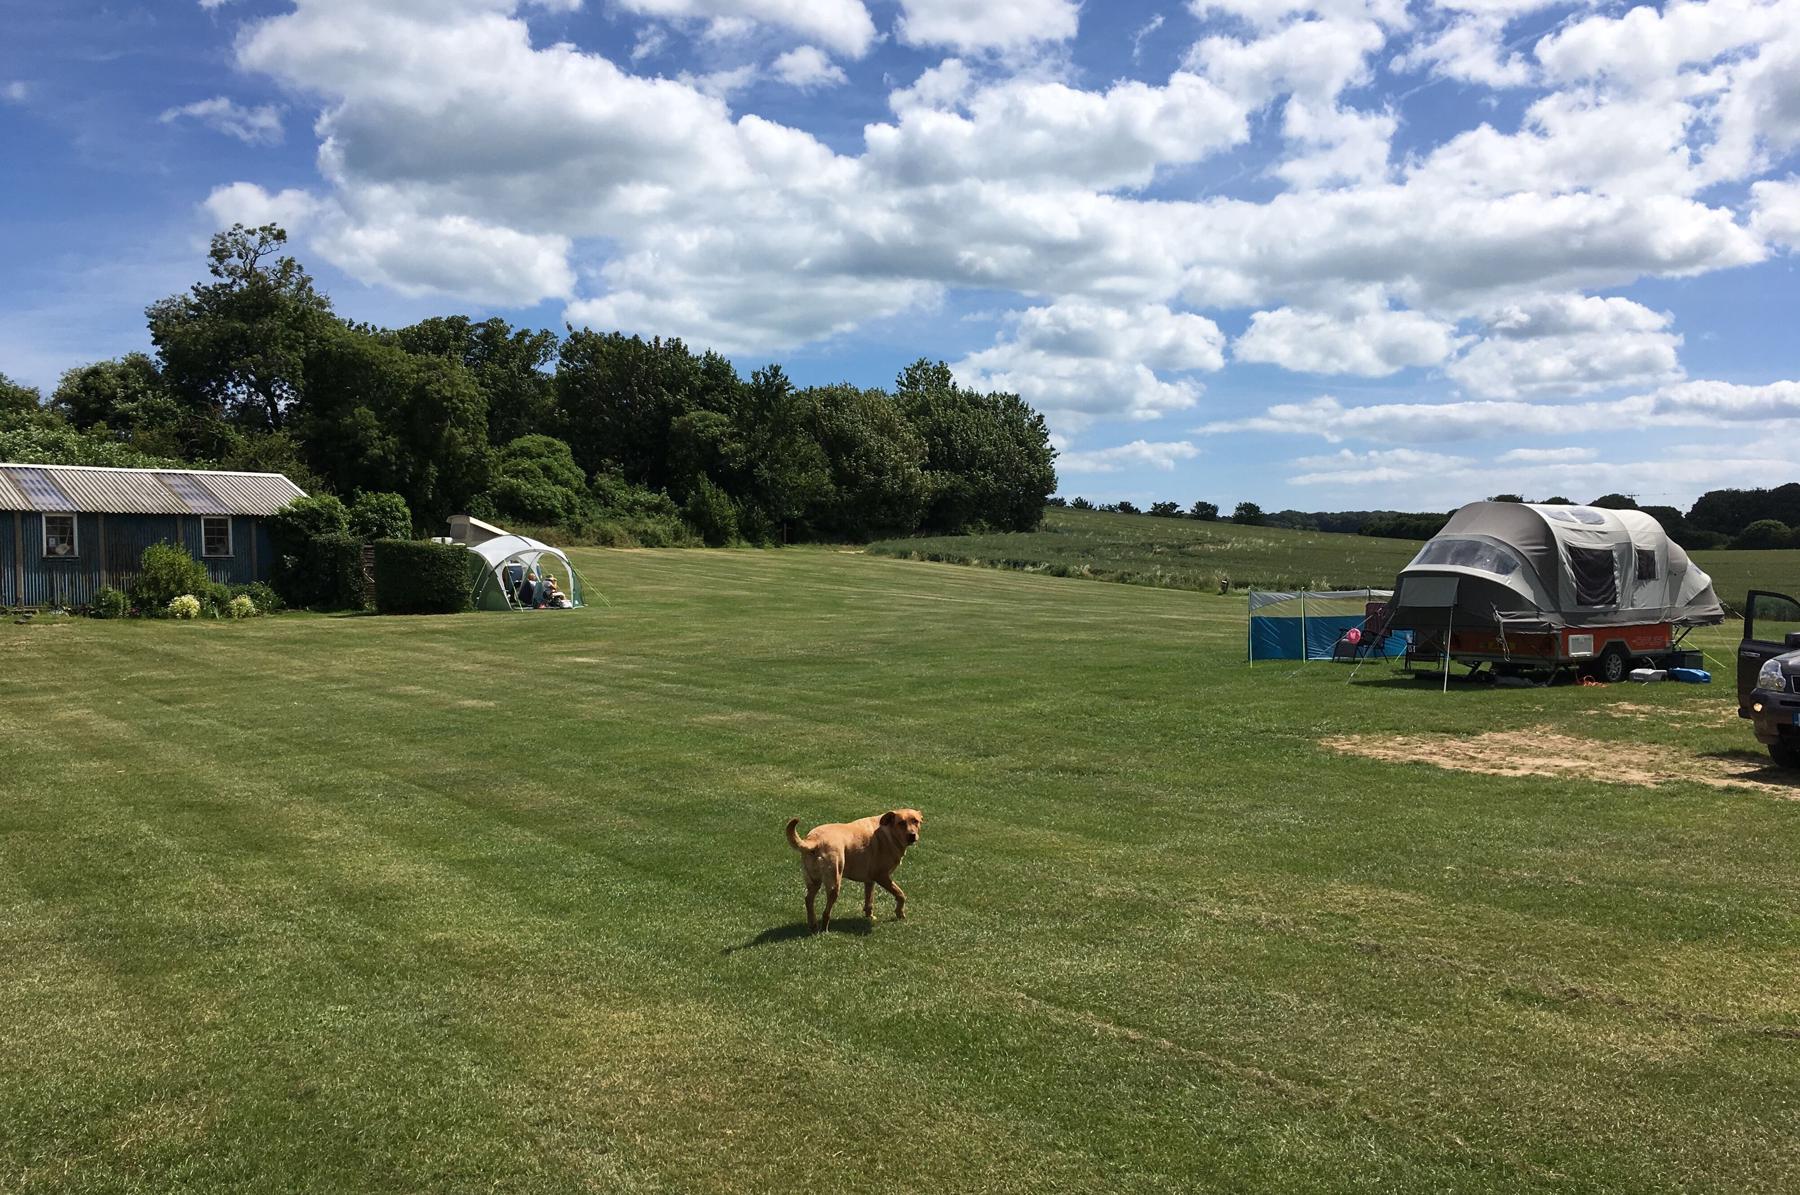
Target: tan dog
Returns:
[865, 851]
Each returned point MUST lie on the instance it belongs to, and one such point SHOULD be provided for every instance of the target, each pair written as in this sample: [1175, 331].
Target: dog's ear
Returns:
[890, 818]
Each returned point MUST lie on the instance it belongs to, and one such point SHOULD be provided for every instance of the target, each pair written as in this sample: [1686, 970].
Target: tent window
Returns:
[1469, 553]
[1646, 565]
[1577, 514]
[1596, 579]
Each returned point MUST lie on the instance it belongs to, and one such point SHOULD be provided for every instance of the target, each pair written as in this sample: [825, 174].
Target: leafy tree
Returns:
[536, 480]
[1398, 525]
[1764, 534]
[789, 474]
[876, 463]
[17, 398]
[712, 515]
[375, 515]
[1080, 503]
[507, 363]
[379, 418]
[39, 440]
[308, 517]
[1204, 511]
[1507, 498]
[1126, 507]
[1166, 510]
[126, 399]
[1615, 502]
[1556, 500]
[1057, 500]
[617, 397]
[239, 345]
[1248, 513]
[988, 458]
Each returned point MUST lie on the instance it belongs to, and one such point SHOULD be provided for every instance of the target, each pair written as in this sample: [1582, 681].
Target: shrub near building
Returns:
[420, 577]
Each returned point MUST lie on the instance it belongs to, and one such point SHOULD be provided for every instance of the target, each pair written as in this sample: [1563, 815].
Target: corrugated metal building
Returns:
[67, 530]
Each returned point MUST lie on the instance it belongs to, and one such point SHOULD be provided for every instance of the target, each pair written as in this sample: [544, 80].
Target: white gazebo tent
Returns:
[502, 560]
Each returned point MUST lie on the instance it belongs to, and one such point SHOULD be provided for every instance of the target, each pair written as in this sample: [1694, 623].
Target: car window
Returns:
[1772, 616]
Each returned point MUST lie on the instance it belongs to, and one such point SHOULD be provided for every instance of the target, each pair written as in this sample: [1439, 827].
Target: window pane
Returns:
[216, 537]
[1646, 565]
[1772, 617]
[1469, 553]
[59, 535]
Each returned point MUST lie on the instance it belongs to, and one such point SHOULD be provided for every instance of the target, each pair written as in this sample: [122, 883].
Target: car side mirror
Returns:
[1792, 640]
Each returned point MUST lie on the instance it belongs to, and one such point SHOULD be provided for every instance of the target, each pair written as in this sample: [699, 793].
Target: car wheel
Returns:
[1785, 753]
[1612, 666]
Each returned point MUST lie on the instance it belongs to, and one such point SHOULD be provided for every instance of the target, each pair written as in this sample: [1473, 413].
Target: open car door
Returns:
[1769, 619]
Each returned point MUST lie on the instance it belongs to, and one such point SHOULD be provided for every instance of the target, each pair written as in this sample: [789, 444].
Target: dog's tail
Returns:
[793, 838]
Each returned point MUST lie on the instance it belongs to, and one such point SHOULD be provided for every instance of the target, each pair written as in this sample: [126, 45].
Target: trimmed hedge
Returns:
[416, 576]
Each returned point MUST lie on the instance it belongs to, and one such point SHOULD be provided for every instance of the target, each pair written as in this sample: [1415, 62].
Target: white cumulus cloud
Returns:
[808, 67]
[972, 26]
[1138, 453]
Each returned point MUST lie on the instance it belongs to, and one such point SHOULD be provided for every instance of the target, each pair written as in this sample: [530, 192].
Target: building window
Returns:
[215, 536]
[59, 536]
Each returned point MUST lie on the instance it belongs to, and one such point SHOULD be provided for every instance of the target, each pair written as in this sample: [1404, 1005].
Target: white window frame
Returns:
[74, 534]
[230, 539]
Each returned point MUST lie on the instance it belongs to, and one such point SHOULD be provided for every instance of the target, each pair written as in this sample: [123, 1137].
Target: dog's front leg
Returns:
[893, 889]
[869, 899]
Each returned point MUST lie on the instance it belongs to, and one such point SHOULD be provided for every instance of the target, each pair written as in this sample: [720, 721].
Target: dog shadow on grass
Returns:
[859, 927]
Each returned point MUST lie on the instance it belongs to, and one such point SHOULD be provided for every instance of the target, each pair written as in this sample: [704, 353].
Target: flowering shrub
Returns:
[242, 607]
[185, 606]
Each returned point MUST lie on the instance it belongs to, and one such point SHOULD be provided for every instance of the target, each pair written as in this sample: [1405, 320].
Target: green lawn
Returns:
[501, 902]
[1184, 554]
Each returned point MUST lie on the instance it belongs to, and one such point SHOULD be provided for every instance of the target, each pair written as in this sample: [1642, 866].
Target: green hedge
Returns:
[321, 572]
[415, 576]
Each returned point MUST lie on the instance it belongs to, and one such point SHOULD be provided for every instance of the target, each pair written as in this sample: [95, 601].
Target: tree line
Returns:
[599, 435]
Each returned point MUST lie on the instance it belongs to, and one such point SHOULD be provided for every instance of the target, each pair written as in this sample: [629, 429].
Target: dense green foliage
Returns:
[254, 371]
[414, 576]
[376, 516]
[379, 906]
[166, 571]
[18, 399]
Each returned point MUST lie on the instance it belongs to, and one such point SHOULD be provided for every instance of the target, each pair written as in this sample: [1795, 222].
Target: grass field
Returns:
[501, 902]
[1184, 554]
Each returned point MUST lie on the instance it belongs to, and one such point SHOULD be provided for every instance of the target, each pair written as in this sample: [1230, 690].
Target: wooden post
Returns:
[252, 524]
[105, 576]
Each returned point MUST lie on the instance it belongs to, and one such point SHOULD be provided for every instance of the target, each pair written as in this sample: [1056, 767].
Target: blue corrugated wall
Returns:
[9, 581]
[112, 557]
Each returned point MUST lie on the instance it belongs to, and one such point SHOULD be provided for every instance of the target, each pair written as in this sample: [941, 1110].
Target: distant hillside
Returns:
[1188, 554]
[1172, 553]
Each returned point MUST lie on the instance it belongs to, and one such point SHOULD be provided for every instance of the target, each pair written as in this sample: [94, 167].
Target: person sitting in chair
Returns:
[554, 598]
[528, 591]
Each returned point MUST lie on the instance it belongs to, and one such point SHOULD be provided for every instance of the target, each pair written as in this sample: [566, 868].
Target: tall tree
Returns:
[240, 343]
[379, 418]
[988, 459]
[876, 462]
[17, 398]
[507, 363]
[617, 396]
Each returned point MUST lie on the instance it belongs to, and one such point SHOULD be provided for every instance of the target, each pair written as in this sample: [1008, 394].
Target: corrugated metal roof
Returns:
[144, 491]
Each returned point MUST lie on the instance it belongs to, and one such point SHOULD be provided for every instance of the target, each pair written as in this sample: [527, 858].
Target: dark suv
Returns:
[1767, 670]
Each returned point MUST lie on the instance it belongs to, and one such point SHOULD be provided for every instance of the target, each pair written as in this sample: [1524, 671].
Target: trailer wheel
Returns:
[1612, 666]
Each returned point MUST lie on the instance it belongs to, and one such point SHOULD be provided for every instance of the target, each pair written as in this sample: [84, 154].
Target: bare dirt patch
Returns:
[1710, 714]
[1539, 751]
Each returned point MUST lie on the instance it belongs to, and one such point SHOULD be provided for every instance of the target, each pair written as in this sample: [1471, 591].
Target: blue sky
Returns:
[1321, 254]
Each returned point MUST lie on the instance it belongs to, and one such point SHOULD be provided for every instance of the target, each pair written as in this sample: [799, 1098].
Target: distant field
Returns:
[1184, 554]
[1171, 553]
[501, 902]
